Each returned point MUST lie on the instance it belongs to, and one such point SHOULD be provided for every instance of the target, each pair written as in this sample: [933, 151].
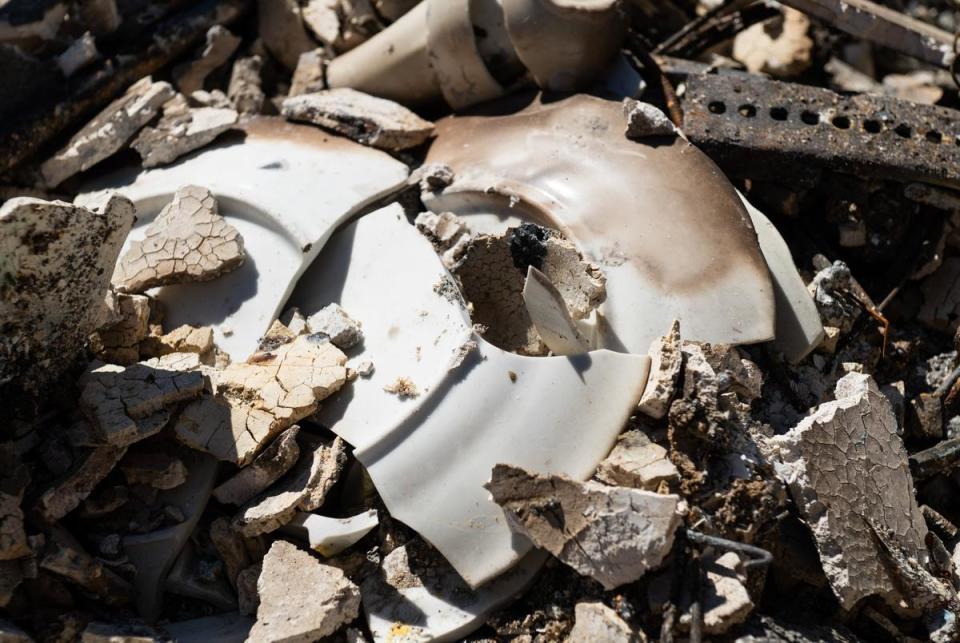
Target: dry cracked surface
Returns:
[177, 134]
[252, 402]
[188, 241]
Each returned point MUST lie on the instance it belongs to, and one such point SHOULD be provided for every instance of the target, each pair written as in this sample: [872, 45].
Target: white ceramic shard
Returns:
[550, 316]
[799, 329]
[659, 218]
[478, 406]
[330, 536]
[285, 188]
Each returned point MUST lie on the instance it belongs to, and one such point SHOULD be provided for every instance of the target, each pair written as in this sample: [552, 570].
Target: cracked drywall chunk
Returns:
[779, 46]
[644, 119]
[847, 469]
[117, 398]
[367, 119]
[304, 488]
[14, 478]
[157, 470]
[109, 131]
[281, 29]
[79, 54]
[183, 339]
[55, 262]
[244, 89]
[254, 401]
[301, 599]
[220, 46]
[308, 76]
[666, 359]
[594, 621]
[188, 241]
[267, 468]
[726, 602]
[612, 534]
[637, 462]
[119, 342]
[177, 134]
[334, 323]
[90, 468]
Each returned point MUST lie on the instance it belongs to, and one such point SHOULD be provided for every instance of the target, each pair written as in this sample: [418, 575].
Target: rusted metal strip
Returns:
[884, 26]
[759, 128]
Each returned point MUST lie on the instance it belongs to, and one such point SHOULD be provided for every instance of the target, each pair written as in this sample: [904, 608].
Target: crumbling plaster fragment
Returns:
[178, 134]
[370, 120]
[726, 602]
[644, 119]
[255, 400]
[594, 621]
[637, 462]
[779, 46]
[666, 359]
[220, 45]
[244, 89]
[308, 76]
[301, 599]
[118, 343]
[335, 323]
[323, 20]
[188, 241]
[55, 262]
[281, 28]
[182, 339]
[612, 534]
[67, 494]
[267, 468]
[847, 470]
[109, 131]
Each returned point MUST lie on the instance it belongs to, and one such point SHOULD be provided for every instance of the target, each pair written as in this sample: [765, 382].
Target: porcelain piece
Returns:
[330, 536]
[550, 316]
[285, 188]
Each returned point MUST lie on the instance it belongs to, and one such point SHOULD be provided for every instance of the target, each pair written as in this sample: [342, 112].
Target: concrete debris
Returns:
[157, 470]
[230, 547]
[301, 599]
[120, 401]
[726, 602]
[64, 556]
[176, 135]
[637, 462]
[89, 470]
[595, 621]
[308, 76]
[55, 273]
[323, 20]
[431, 178]
[367, 119]
[334, 323]
[443, 230]
[78, 55]
[823, 459]
[779, 46]
[644, 119]
[276, 336]
[119, 342]
[244, 89]
[109, 131]
[330, 536]
[254, 401]
[666, 360]
[219, 47]
[213, 98]
[304, 488]
[183, 339]
[14, 478]
[188, 241]
[612, 534]
[267, 468]
[282, 31]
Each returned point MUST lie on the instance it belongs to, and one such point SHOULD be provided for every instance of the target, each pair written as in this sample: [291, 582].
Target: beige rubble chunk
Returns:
[779, 46]
[644, 119]
[276, 336]
[244, 89]
[402, 387]
[117, 398]
[581, 282]
[847, 470]
[220, 46]
[178, 134]
[367, 119]
[118, 343]
[79, 54]
[188, 241]
[301, 598]
[248, 599]
[14, 478]
[666, 359]
[637, 462]
[230, 547]
[213, 98]
[267, 468]
[443, 229]
[157, 470]
[256, 400]
[183, 339]
[63, 555]
[309, 74]
[89, 470]
[594, 621]
[334, 323]
[55, 262]
[323, 20]
[295, 322]
[304, 488]
[726, 601]
[282, 31]
[109, 131]
[612, 534]
[941, 297]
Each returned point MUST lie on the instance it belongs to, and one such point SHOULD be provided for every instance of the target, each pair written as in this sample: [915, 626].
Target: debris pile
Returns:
[400, 320]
